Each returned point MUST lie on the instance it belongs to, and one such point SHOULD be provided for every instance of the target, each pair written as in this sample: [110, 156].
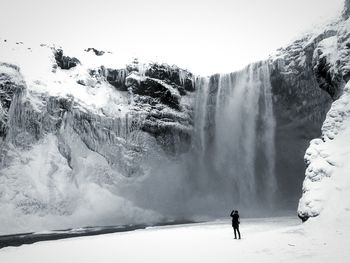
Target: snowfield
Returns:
[263, 240]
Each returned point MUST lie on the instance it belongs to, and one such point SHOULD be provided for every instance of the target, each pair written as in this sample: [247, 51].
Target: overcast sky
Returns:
[205, 36]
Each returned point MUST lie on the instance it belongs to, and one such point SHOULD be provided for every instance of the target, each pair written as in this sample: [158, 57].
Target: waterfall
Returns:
[268, 135]
[202, 84]
[234, 136]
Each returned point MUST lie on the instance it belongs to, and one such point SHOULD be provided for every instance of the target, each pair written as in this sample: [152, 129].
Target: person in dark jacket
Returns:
[235, 223]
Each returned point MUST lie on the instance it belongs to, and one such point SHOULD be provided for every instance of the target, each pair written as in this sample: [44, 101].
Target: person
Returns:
[235, 223]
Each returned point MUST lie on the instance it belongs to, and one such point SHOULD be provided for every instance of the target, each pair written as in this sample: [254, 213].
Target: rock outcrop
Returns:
[96, 51]
[346, 10]
[11, 83]
[65, 62]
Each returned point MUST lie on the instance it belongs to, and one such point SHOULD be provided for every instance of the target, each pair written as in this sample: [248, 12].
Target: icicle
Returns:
[182, 76]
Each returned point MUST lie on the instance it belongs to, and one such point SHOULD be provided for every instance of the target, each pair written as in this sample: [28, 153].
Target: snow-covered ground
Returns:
[263, 240]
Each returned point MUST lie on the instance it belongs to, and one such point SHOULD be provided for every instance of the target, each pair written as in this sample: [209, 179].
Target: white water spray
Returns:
[235, 125]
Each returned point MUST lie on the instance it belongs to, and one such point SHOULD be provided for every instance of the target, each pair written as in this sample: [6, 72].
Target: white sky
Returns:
[205, 36]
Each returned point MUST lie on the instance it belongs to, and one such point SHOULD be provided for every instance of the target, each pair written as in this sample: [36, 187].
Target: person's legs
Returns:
[239, 233]
[234, 229]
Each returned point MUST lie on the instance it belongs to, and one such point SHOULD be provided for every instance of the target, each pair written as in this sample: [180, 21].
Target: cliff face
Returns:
[73, 135]
[325, 189]
[11, 84]
[324, 172]
[327, 61]
[86, 142]
[305, 82]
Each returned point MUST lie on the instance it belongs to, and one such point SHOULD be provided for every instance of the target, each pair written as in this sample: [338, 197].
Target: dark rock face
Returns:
[10, 85]
[65, 62]
[300, 106]
[303, 218]
[325, 79]
[154, 88]
[308, 76]
[116, 77]
[168, 120]
[180, 79]
[172, 75]
[172, 130]
[328, 76]
[97, 52]
[159, 98]
[346, 10]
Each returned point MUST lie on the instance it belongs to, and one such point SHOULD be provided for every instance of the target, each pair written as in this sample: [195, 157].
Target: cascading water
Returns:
[234, 137]
[201, 110]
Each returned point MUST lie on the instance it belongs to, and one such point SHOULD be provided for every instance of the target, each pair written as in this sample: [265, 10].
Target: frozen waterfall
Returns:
[234, 137]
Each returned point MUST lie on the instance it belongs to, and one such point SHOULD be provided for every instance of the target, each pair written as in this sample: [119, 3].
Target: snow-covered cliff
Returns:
[326, 186]
[325, 189]
[74, 133]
